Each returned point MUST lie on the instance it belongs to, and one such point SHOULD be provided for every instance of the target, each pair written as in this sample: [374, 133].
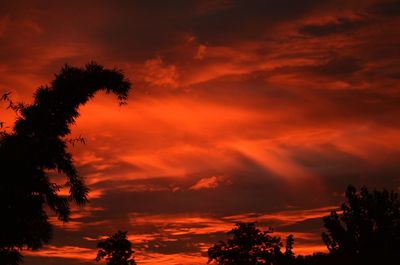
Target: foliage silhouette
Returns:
[368, 229]
[116, 249]
[365, 231]
[248, 246]
[36, 146]
[289, 246]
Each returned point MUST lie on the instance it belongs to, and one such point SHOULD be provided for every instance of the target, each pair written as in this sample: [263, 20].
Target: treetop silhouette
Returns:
[37, 145]
[365, 231]
[116, 250]
[289, 246]
[247, 246]
[368, 228]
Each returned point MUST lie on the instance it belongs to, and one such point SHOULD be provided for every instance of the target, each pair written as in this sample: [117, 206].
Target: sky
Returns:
[240, 111]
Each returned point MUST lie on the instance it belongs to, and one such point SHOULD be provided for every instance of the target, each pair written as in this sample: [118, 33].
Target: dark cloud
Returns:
[243, 195]
[337, 169]
[338, 66]
[339, 26]
[387, 8]
[334, 68]
[244, 21]
[366, 106]
[58, 261]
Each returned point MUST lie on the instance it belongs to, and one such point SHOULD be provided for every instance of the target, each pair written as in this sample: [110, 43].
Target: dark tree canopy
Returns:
[247, 246]
[36, 146]
[117, 250]
[289, 246]
[368, 228]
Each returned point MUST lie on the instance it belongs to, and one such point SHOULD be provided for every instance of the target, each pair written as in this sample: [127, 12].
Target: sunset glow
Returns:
[240, 111]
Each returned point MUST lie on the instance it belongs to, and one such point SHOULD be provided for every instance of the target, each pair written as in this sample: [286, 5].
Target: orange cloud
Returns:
[173, 259]
[284, 218]
[158, 73]
[205, 183]
[68, 252]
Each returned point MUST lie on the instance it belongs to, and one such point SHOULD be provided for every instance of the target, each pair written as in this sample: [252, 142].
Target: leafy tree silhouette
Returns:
[289, 246]
[36, 146]
[365, 231]
[248, 246]
[117, 250]
[368, 229]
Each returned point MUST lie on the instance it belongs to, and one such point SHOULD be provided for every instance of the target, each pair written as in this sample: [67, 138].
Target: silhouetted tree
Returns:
[36, 146]
[10, 257]
[367, 230]
[289, 246]
[319, 259]
[248, 246]
[117, 250]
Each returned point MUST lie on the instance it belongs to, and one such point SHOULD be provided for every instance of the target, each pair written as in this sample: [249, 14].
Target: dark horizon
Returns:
[261, 111]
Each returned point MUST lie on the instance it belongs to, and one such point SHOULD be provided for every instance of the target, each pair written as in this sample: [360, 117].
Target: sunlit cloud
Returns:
[77, 216]
[173, 259]
[205, 183]
[158, 73]
[68, 252]
[284, 218]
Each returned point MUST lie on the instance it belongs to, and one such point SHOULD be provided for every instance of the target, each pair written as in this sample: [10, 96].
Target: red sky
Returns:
[240, 110]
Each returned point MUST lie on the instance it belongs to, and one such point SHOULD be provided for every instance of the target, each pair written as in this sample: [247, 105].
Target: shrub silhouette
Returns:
[247, 246]
[36, 146]
[117, 250]
[368, 229]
